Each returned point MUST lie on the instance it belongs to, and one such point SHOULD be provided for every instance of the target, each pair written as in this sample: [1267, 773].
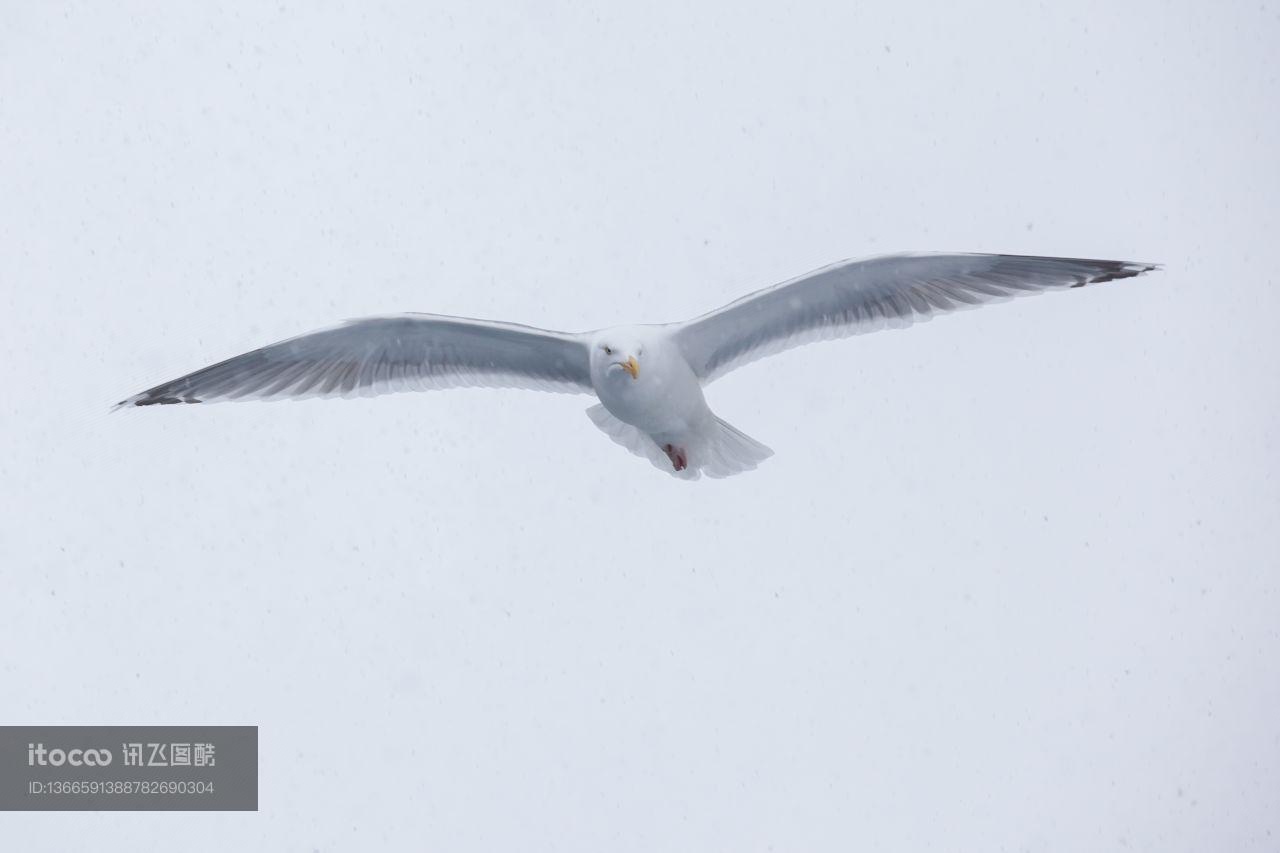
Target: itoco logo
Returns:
[38, 755]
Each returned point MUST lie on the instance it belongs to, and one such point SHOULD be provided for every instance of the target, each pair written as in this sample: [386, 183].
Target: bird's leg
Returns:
[679, 459]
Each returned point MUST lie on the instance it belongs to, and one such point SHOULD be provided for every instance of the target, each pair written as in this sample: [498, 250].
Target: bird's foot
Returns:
[679, 458]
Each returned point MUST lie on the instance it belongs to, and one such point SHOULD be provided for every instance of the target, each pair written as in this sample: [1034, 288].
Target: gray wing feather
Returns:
[380, 355]
[891, 291]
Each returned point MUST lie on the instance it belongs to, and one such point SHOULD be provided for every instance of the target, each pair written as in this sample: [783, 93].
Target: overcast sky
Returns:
[1009, 583]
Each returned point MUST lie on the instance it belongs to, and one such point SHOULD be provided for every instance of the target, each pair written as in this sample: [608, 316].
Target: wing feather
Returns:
[380, 355]
[855, 297]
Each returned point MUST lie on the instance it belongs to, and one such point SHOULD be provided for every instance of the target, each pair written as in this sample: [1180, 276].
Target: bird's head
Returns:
[617, 353]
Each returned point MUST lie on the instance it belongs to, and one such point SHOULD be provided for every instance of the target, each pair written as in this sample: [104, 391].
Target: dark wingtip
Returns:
[145, 399]
[1124, 270]
[1116, 270]
[165, 401]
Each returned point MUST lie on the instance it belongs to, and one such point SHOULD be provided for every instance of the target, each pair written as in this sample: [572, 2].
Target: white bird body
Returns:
[661, 407]
[649, 379]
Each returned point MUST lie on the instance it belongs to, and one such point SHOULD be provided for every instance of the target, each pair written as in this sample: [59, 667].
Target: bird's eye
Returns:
[608, 350]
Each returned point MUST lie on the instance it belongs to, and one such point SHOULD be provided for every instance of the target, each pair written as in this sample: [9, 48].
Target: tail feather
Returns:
[636, 441]
[731, 451]
[720, 450]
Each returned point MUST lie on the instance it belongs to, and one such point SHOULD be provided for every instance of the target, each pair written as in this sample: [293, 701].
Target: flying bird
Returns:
[649, 379]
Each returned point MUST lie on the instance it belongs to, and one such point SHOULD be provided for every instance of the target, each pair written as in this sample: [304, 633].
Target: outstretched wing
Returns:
[892, 291]
[379, 355]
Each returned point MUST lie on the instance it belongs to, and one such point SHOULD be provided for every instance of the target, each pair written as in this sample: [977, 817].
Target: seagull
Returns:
[648, 379]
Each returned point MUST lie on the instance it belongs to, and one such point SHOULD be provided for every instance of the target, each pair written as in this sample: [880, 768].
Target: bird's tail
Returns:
[639, 443]
[727, 451]
[717, 449]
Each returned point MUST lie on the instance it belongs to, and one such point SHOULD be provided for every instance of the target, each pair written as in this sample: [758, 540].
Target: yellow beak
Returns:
[632, 366]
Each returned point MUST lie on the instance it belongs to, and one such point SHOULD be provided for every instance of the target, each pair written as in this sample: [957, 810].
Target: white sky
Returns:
[1010, 582]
